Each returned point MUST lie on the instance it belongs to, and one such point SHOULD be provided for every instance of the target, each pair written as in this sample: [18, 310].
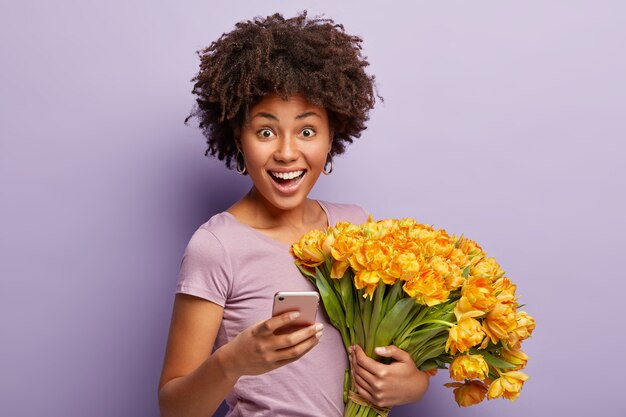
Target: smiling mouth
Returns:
[287, 178]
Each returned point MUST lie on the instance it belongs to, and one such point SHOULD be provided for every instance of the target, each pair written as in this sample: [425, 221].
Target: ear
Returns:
[331, 135]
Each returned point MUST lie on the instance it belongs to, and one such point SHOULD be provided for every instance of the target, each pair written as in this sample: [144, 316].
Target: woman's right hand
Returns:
[258, 349]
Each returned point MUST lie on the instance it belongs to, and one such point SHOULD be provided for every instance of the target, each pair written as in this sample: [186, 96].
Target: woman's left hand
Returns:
[383, 385]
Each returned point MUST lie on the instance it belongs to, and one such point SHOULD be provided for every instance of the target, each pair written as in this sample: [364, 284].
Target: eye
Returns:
[265, 133]
[307, 132]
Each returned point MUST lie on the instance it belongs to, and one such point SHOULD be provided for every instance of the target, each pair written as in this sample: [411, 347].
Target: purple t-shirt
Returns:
[240, 269]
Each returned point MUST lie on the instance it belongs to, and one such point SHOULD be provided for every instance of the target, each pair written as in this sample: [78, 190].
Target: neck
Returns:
[259, 213]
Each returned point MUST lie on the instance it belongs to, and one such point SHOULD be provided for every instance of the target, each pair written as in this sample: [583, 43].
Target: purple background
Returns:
[501, 120]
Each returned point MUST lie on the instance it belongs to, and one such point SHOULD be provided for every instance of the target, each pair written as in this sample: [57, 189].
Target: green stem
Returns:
[435, 321]
[374, 319]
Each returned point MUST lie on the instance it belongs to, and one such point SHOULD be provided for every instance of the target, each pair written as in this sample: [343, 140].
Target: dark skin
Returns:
[300, 55]
[307, 75]
[194, 380]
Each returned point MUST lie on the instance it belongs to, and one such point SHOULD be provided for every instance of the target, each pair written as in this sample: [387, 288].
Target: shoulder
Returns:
[342, 212]
[214, 236]
[207, 266]
[223, 227]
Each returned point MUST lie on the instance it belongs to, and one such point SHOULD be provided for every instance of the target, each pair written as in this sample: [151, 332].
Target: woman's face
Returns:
[285, 144]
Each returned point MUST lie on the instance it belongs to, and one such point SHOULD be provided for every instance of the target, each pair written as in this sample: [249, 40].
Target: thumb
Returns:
[393, 352]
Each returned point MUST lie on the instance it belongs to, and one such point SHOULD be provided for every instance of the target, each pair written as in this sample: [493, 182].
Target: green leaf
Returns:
[347, 295]
[431, 353]
[366, 310]
[466, 271]
[430, 364]
[492, 360]
[421, 337]
[359, 332]
[390, 324]
[420, 352]
[331, 303]
[308, 275]
[379, 294]
[413, 320]
[393, 295]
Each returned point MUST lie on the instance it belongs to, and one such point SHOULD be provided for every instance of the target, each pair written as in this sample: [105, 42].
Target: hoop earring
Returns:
[240, 164]
[329, 160]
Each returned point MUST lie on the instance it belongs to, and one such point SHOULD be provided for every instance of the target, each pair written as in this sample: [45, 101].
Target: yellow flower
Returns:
[406, 224]
[455, 280]
[508, 385]
[525, 324]
[459, 258]
[378, 229]
[338, 269]
[404, 266]
[486, 268]
[505, 290]
[464, 309]
[327, 243]
[470, 248]
[522, 329]
[442, 266]
[465, 334]
[469, 367]
[375, 257]
[421, 232]
[500, 322]
[428, 287]
[468, 393]
[343, 241]
[346, 239]
[479, 293]
[372, 255]
[308, 250]
[515, 357]
[369, 291]
[438, 245]
[364, 278]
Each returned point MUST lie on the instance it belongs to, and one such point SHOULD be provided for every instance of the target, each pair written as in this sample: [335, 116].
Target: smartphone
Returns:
[303, 301]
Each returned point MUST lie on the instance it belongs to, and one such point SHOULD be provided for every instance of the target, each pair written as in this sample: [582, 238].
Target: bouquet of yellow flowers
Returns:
[434, 295]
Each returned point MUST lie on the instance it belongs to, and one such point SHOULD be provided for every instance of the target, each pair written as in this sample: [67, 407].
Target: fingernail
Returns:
[319, 327]
[294, 315]
[380, 350]
[318, 334]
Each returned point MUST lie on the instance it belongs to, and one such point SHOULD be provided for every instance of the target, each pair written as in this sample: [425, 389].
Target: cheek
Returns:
[253, 155]
[318, 158]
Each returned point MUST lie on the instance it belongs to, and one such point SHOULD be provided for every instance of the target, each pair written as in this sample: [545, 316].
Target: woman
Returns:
[277, 98]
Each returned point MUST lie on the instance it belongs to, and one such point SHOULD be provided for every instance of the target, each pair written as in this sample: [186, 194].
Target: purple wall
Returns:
[500, 121]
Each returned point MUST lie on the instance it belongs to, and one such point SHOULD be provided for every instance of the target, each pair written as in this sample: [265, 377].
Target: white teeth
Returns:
[287, 175]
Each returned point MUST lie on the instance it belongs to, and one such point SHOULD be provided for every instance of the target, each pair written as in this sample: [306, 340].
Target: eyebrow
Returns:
[298, 117]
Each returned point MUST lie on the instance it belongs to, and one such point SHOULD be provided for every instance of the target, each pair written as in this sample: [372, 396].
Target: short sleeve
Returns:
[339, 212]
[205, 270]
[363, 215]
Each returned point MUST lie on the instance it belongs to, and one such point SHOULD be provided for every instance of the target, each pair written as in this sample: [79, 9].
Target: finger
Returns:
[393, 352]
[362, 373]
[295, 358]
[298, 350]
[268, 327]
[366, 363]
[298, 336]
[362, 388]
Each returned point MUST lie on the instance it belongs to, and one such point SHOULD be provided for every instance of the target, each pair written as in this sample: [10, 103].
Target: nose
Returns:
[287, 149]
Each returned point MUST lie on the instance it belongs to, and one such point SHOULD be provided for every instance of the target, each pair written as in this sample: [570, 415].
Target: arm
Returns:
[387, 385]
[194, 380]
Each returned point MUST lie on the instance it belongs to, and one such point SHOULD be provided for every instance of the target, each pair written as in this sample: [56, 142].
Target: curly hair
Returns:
[273, 55]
